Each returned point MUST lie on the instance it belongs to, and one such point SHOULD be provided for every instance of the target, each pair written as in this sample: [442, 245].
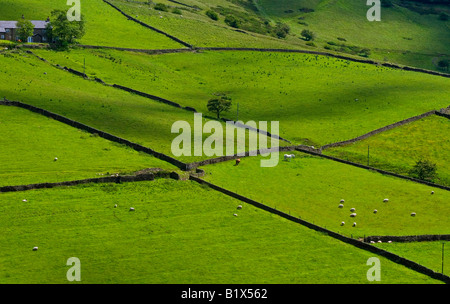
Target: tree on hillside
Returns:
[25, 29]
[219, 105]
[424, 170]
[63, 32]
[308, 35]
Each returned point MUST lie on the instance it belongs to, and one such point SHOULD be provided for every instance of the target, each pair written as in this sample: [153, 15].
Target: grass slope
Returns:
[317, 99]
[399, 149]
[104, 25]
[180, 233]
[30, 142]
[428, 254]
[402, 36]
[129, 116]
[312, 187]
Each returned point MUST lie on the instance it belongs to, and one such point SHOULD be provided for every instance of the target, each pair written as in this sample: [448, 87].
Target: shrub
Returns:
[232, 21]
[308, 35]
[177, 11]
[213, 15]
[424, 170]
[281, 30]
[161, 7]
[443, 64]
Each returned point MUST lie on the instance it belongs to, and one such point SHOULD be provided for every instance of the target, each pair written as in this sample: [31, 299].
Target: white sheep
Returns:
[24, 200]
[239, 207]
[386, 200]
[341, 206]
[55, 159]
[432, 192]
[372, 242]
[379, 241]
[35, 248]
[354, 224]
[131, 209]
[375, 211]
[342, 223]
[413, 214]
[235, 214]
[342, 201]
[352, 210]
[353, 215]
[289, 156]
[115, 206]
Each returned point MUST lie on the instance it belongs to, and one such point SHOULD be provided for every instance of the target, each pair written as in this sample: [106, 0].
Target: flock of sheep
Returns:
[353, 213]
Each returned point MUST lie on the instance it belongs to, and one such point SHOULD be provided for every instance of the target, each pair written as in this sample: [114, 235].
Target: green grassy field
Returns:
[179, 232]
[402, 36]
[104, 25]
[399, 149]
[428, 254]
[312, 187]
[30, 142]
[199, 30]
[129, 116]
[317, 99]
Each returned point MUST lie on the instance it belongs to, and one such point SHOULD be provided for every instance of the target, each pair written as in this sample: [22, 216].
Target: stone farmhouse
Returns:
[8, 31]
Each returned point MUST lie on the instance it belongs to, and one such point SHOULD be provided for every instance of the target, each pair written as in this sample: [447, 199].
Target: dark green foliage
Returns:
[424, 170]
[61, 32]
[443, 64]
[161, 7]
[219, 105]
[176, 11]
[282, 30]
[308, 35]
[232, 21]
[212, 14]
[25, 29]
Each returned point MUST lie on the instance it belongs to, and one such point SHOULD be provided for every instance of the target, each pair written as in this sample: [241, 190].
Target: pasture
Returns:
[30, 142]
[179, 232]
[311, 188]
[398, 149]
[317, 99]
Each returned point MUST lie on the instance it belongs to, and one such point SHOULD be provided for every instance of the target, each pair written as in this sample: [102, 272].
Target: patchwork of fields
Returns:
[182, 232]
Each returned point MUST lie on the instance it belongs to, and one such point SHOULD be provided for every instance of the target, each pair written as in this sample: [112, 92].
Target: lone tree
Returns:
[308, 35]
[25, 29]
[219, 105]
[424, 170]
[63, 32]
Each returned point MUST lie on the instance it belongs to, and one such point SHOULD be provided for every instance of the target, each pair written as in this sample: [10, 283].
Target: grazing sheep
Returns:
[413, 214]
[342, 223]
[354, 224]
[353, 215]
[239, 207]
[55, 159]
[235, 214]
[372, 242]
[389, 242]
[238, 161]
[115, 206]
[379, 241]
[24, 200]
[342, 201]
[341, 206]
[432, 192]
[375, 211]
[386, 200]
[131, 209]
[35, 248]
[352, 210]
